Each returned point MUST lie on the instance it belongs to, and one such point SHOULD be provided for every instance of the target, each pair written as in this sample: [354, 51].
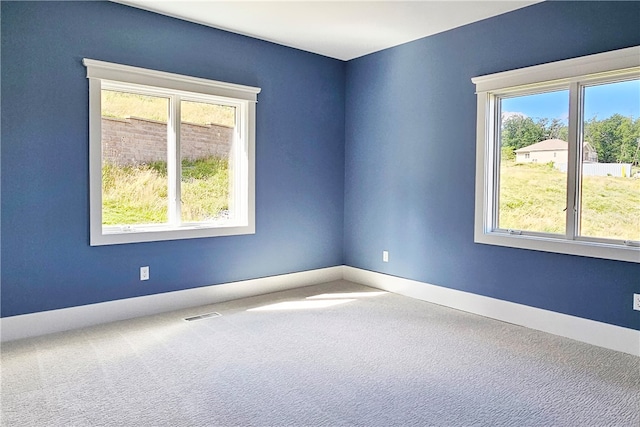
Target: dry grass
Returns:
[611, 207]
[532, 197]
[134, 195]
[122, 105]
[205, 189]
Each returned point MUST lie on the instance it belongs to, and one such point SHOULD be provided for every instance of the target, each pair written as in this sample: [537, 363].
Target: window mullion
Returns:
[573, 162]
[173, 160]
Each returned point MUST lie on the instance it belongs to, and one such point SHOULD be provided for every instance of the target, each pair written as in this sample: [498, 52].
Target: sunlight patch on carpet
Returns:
[348, 295]
[301, 305]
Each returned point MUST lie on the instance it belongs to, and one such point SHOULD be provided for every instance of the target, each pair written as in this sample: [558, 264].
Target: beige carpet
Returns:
[332, 360]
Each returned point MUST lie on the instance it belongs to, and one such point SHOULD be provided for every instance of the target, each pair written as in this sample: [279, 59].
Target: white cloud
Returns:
[509, 114]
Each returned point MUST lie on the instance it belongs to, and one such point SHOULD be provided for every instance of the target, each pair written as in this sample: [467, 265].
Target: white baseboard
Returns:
[46, 322]
[589, 331]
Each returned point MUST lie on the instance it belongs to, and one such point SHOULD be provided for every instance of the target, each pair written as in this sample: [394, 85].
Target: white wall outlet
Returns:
[636, 302]
[385, 256]
[144, 273]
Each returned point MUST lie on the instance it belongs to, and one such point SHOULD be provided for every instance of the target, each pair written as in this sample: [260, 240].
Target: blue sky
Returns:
[602, 101]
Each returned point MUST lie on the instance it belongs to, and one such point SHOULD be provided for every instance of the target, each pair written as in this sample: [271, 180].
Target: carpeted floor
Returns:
[331, 360]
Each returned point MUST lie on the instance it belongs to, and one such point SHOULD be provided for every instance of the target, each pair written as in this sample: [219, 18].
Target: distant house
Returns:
[552, 150]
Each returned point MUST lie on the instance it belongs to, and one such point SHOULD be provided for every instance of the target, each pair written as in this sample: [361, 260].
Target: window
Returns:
[170, 156]
[558, 155]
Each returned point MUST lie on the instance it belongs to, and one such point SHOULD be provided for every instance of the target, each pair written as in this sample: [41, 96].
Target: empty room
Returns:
[257, 213]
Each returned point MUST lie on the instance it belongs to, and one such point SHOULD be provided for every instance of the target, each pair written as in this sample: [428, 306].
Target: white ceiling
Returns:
[338, 29]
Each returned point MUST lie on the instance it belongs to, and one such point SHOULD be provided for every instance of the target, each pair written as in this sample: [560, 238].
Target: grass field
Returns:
[532, 197]
[139, 194]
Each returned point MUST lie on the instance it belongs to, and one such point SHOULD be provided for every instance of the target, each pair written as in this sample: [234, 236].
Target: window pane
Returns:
[206, 142]
[533, 157]
[134, 159]
[611, 149]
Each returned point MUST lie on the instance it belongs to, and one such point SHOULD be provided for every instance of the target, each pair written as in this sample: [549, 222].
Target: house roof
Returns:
[546, 145]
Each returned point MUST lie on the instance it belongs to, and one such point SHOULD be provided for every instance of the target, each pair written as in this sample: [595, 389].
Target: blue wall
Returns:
[410, 161]
[352, 158]
[47, 262]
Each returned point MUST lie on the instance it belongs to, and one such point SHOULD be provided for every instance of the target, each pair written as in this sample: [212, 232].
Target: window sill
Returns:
[116, 235]
[618, 252]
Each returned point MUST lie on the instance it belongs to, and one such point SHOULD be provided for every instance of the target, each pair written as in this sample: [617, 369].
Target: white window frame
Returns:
[569, 74]
[111, 76]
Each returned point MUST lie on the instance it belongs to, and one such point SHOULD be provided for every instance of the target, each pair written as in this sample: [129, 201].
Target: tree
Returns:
[519, 131]
[554, 129]
[615, 138]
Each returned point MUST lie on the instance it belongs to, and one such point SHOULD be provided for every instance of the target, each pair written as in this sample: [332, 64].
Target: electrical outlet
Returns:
[636, 302]
[144, 273]
[385, 256]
